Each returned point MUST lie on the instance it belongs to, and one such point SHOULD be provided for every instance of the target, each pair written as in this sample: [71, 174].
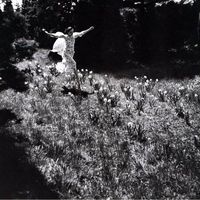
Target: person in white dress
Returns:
[64, 45]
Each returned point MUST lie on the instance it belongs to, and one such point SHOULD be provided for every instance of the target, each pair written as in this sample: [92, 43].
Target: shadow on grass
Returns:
[18, 177]
[11, 77]
[156, 70]
[177, 66]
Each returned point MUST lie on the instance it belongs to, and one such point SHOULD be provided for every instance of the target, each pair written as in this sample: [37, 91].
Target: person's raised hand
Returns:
[92, 27]
[44, 29]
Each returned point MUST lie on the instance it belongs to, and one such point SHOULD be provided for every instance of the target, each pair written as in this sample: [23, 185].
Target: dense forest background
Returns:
[125, 31]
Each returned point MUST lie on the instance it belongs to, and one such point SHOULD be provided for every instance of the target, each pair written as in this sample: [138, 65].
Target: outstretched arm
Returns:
[54, 35]
[80, 34]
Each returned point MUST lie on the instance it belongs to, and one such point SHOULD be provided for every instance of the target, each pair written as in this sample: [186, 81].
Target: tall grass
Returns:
[134, 138]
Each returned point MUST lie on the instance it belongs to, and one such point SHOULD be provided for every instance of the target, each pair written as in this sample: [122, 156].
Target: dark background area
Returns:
[157, 38]
[125, 31]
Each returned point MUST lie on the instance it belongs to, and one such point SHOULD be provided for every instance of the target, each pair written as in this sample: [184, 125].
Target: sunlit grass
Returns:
[128, 139]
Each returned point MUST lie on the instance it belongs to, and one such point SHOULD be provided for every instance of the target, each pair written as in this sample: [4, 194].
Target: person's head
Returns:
[69, 31]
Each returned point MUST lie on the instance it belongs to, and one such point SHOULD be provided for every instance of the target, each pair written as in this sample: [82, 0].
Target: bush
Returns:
[24, 48]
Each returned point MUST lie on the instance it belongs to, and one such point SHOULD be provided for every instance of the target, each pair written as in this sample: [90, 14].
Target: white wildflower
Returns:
[116, 93]
[109, 101]
[90, 77]
[181, 88]
[102, 111]
[130, 124]
[70, 94]
[112, 96]
[31, 85]
[101, 89]
[45, 74]
[80, 75]
[105, 100]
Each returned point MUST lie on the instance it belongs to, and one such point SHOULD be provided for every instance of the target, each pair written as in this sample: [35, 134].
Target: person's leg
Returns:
[71, 63]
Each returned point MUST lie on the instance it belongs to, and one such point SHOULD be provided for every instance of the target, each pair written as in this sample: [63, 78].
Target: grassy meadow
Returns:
[127, 138]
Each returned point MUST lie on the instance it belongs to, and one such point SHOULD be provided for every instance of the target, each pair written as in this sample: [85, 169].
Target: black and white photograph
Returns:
[100, 99]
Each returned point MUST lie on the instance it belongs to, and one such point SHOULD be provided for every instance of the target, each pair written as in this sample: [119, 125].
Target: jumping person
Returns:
[64, 45]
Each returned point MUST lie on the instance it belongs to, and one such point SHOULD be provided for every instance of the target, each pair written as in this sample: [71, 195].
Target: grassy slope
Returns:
[134, 138]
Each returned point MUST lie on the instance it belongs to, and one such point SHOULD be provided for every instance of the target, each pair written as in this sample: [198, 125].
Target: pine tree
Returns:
[8, 8]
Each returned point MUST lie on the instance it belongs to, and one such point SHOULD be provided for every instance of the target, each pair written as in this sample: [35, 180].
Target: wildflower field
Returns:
[124, 138]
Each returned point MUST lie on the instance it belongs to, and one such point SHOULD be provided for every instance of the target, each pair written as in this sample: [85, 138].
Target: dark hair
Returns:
[67, 30]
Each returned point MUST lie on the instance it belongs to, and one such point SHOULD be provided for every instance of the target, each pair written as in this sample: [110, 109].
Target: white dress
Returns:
[59, 45]
[65, 45]
[65, 48]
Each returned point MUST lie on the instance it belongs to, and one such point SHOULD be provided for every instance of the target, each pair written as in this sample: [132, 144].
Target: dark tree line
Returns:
[125, 31]
[107, 45]
[12, 26]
